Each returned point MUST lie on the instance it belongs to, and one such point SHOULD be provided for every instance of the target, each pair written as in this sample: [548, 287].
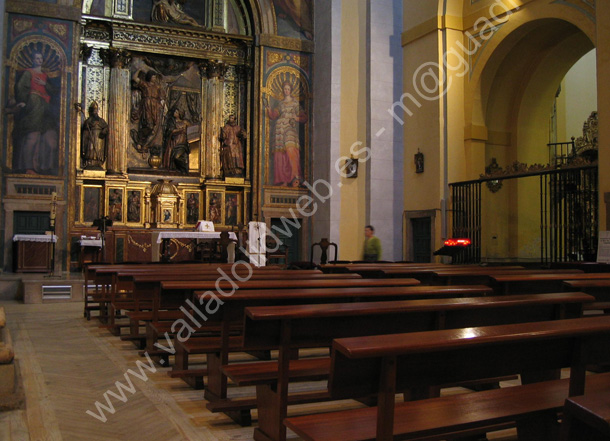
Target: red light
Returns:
[457, 242]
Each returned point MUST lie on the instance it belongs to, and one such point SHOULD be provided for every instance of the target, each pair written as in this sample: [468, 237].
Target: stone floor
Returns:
[68, 363]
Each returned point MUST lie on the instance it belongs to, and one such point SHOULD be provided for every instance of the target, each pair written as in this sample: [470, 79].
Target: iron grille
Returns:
[568, 214]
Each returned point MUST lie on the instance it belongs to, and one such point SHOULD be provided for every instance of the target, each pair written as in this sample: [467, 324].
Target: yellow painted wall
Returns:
[603, 104]
[353, 125]
[501, 109]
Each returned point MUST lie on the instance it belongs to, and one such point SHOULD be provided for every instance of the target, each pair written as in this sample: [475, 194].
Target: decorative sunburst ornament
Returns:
[276, 86]
[51, 63]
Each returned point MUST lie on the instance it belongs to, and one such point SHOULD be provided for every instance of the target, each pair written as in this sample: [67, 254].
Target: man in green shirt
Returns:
[372, 245]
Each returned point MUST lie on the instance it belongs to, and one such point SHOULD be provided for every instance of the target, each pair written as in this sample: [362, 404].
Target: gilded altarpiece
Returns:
[131, 93]
[168, 95]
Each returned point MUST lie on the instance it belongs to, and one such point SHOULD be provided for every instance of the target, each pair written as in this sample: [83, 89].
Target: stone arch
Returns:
[511, 91]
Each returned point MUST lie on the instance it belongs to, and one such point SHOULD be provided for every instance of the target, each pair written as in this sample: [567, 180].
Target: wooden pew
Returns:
[429, 275]
[274, 291]
[586, 417]
[101, 277]
[600, 289]
[483, 276]
[234, 305]
[146, 289]
[289, 328]
[538, 283]
[121, 280]
[383, 365]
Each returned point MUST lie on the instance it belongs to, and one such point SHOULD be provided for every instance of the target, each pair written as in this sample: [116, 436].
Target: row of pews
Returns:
[411, 329]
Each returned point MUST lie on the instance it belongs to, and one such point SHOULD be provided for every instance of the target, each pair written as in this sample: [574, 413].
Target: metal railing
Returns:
[568, 214]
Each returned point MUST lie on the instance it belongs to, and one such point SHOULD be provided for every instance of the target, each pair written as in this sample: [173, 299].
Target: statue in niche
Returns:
[94, 133]
[175, 142]
[231, 153]
[170, 11]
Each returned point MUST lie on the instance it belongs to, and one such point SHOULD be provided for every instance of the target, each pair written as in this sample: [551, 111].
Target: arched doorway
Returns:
[516, 88]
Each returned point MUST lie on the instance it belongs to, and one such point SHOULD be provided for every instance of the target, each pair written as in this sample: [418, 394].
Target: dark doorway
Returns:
[422, 237]
[289, 235]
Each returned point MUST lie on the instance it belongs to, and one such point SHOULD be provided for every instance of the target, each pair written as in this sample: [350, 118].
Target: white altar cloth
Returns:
[34, 238]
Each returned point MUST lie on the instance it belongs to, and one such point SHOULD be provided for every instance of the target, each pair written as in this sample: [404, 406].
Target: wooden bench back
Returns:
[292, 283]
[542, 282]
[317, 325]
[464, 354]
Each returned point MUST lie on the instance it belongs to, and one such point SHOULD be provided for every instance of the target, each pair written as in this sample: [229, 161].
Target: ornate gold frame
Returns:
[208, 197]
[107, 208]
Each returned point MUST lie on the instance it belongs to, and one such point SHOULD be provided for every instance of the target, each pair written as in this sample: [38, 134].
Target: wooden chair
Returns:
[324, 244]
[278, 252]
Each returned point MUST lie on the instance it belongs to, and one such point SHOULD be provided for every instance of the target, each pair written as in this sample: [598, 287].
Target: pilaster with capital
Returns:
[212, 73]
[118, 113]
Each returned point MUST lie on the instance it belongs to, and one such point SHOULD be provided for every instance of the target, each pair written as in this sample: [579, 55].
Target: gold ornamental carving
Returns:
[212, 69]
[118, 58]
[292, 44]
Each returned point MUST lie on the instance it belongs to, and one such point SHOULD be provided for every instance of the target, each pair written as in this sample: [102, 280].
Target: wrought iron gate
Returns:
[568, 214]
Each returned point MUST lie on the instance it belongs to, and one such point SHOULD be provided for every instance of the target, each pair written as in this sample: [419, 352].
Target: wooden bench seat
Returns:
[384, 365]
[292, 327]
[587, 417]
[199, 346]
[600, 289]
[257, 373]
[538, 283]
[440, 417]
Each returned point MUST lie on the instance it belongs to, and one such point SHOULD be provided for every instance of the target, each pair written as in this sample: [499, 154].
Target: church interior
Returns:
[157, 153]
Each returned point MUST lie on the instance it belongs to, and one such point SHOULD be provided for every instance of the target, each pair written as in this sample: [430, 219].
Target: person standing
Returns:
[372, 245]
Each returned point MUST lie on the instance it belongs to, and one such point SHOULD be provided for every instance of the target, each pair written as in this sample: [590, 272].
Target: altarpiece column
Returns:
[118, 111]
[212, 73]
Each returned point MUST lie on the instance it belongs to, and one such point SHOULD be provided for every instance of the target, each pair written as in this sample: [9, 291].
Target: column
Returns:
[118, 112]
[212, 73]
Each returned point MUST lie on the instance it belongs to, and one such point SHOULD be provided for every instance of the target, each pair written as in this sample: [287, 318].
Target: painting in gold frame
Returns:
[91, 203]
[192, 207]
[233, 208]
[134, 206]
[215, 206]
[115, 205]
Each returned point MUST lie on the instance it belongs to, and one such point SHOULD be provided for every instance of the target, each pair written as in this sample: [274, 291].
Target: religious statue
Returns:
[94, 133]
[175, 142]
[231, 153]
[170, 11]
